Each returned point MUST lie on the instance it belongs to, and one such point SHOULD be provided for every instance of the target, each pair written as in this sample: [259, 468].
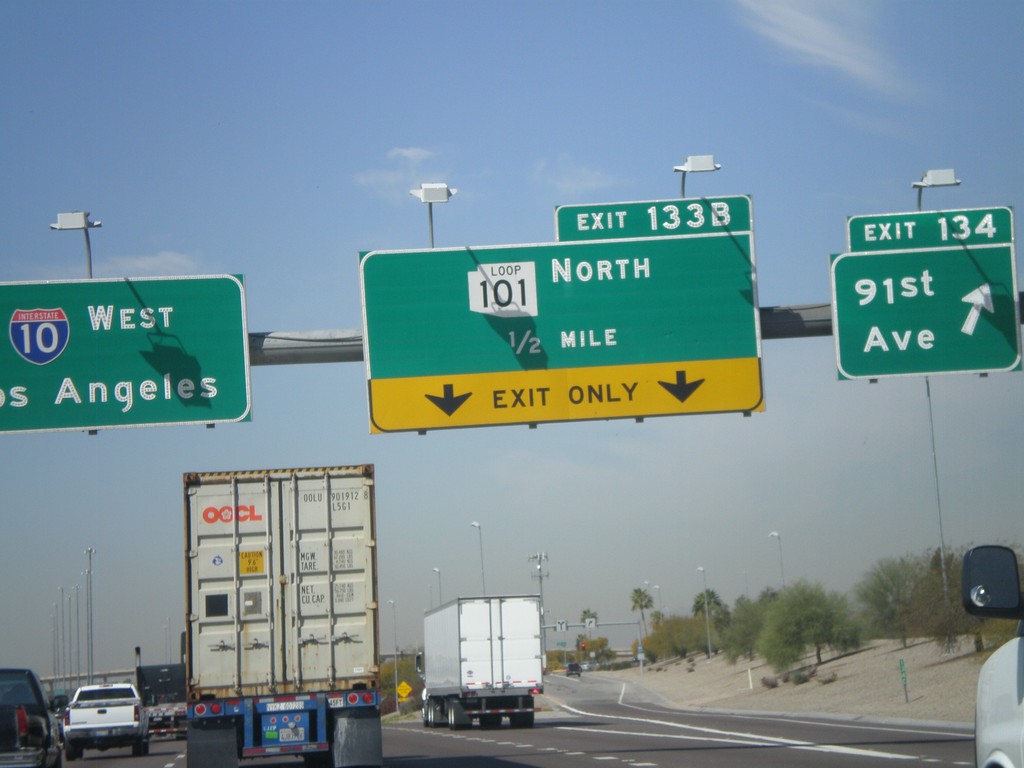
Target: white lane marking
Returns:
[733, 737]
[968, 731]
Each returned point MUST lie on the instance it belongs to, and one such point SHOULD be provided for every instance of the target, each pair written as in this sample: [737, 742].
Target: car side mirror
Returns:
[990, 584]
[58, 702]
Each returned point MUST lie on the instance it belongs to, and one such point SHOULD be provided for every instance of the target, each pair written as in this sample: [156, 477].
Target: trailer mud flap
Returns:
[357, 738]
[212, 744]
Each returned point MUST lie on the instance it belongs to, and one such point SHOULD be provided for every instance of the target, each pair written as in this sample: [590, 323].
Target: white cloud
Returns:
[395, 182]
[414, 155]
[833, 34]
[570, 180]
[163, 263]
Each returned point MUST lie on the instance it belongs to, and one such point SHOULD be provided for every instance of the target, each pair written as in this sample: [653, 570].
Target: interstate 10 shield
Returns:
[39, 335]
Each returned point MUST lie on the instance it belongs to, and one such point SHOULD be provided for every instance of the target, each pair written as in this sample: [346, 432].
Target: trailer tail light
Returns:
[368, 698]
[353, 698]
[214, 708]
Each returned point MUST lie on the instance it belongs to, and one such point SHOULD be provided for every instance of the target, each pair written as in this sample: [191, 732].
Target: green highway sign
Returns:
[532, 333]
[653, 218]
[930, 229]
[100, 354]
[927, 293]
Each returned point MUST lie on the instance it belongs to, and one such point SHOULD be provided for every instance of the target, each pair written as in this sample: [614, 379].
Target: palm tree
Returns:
[714, 602]
[641, 601]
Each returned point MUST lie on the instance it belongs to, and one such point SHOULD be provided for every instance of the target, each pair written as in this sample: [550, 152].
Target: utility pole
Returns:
[540, 558]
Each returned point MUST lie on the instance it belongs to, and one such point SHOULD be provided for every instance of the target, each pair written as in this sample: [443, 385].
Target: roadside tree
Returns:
[805, 615]
[887, 595]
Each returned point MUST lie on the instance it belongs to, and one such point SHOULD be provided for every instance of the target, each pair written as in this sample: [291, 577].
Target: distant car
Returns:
[572, 668]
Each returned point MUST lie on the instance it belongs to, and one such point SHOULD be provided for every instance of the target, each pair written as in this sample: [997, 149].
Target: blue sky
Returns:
[278, 140]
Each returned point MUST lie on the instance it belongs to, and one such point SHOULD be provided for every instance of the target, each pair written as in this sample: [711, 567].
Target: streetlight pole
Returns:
[440, 595]
[61, 633]
[707, 613]
[430, 194]
[483, 581]
[394, 622]
[782, 571]
[78, 636]
[88, 615]
[945, 177]
[79, 220]
[694, 164]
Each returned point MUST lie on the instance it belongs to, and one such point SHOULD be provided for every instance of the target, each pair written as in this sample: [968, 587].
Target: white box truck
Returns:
[281, 617]
[991, 588]
[482, 660]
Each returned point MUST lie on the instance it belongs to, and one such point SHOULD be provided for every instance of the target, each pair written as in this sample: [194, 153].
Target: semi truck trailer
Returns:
[281, 641]
[482, 660]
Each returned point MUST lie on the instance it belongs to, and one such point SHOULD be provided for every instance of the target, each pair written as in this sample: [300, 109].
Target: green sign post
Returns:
[561, 331]
[99, 354]
[923, 293]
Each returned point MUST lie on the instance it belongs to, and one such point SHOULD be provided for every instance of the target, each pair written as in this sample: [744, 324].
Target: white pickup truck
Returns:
[991, 588]
[104, 716]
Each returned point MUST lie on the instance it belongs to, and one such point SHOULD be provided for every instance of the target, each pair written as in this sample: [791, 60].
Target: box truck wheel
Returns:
[435, 713]
[457, 717]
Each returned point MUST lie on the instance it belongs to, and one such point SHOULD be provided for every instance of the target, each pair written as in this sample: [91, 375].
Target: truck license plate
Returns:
[293, 734]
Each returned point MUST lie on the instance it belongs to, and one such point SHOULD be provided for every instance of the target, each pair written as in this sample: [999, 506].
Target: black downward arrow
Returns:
[681, 389]
[449, 402]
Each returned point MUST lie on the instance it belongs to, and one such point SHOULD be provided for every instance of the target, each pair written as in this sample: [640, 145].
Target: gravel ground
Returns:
[941, 686]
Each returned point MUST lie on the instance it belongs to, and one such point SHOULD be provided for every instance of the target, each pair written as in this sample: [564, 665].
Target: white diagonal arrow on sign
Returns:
[980, 298]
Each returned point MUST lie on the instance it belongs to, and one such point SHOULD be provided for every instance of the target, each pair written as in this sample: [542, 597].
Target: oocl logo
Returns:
[243, 513]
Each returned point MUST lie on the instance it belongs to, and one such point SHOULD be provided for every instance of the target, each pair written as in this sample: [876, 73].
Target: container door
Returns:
[478, 635]
[520, 642]
[330, 598]
[233, 586]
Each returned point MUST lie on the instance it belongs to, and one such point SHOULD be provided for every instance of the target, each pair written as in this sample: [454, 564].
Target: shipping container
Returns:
[281, 640]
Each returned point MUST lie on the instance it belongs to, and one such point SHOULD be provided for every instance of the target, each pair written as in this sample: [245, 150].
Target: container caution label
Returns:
[251, 563]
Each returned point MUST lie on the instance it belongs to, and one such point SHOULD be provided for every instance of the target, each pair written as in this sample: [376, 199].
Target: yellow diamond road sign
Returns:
[404, 689]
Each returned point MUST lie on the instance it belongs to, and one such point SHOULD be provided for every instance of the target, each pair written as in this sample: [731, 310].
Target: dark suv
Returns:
[572, 668]
[29, 725]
